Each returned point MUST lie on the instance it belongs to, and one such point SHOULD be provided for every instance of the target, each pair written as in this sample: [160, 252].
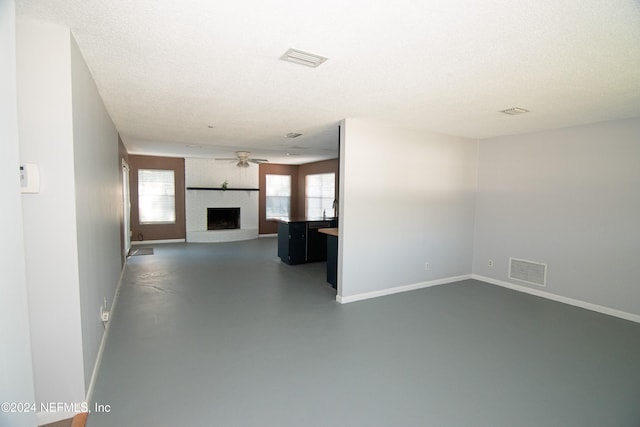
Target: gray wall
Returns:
[98, 195]
[569, 198]
[406, 197]
[71, 228]
[15, 357]
[46, 138]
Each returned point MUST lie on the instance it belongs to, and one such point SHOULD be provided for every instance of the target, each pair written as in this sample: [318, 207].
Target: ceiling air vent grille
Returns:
[513, 111]
[531, 272]
[303, 58]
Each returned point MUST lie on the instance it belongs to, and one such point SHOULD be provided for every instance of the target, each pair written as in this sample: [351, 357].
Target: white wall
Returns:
[15, 357]
[72, 232]
[212, 173]
[406, 198]
[569, 198]
[98, 202]
[46, 138]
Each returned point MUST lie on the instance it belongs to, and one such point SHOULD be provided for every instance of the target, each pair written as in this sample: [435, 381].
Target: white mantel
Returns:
[208, 173]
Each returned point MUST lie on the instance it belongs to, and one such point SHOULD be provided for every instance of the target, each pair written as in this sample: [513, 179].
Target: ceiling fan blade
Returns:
[227, 158]
[258, 161]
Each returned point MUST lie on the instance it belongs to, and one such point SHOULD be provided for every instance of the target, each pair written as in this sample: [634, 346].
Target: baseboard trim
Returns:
[153, 242]
[103, 341]
[571, 301]
[399, 289]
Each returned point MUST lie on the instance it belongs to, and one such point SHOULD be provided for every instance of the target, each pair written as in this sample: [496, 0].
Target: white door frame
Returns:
[126, 199]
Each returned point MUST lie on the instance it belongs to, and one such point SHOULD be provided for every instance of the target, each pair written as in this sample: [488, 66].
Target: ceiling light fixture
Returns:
[292, 135]
[514, 111]
[303, 58]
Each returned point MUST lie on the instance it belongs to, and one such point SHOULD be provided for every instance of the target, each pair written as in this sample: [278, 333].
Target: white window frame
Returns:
[280, 192]
[156, 200]
[325, 195]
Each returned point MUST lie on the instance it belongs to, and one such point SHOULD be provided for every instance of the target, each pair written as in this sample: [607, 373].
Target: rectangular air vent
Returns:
[515, 110]
[303, 58]
[528, 271]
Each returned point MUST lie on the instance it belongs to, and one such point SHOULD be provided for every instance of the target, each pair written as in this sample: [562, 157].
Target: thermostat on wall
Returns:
[29, 178]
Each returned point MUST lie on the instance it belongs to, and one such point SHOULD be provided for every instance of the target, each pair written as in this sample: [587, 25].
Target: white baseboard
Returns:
[98, 362]
[398, 289]
[268, 235]
[151, 242]
[559, 298]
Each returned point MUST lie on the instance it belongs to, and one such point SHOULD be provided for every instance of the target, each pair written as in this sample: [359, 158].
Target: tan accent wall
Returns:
[298, 174]
[143, 232]
[270, 227]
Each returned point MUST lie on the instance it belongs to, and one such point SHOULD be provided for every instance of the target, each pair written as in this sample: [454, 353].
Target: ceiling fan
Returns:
[243, 159]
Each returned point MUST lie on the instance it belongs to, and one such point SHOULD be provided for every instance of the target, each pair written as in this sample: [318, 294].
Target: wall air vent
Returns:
[513, 111]
[531, 272]
[303, 58]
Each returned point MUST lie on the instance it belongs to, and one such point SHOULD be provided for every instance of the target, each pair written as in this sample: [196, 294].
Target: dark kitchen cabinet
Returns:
[292, 240]
[300, 241]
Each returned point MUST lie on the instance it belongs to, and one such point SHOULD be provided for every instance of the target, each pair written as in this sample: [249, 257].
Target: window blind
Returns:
[320, 194]
[156, 196]
[278, 196]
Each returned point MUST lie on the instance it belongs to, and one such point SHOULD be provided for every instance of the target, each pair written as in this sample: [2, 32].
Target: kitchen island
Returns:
[332, 254]
[299, 240]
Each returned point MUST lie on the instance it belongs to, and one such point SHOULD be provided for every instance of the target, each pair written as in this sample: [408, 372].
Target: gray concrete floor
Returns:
[227, 335]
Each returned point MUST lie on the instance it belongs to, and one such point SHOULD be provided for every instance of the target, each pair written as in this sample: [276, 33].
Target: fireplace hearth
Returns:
[223, 218]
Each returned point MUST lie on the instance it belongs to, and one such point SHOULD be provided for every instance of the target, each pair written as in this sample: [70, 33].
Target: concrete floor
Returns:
[227, 335]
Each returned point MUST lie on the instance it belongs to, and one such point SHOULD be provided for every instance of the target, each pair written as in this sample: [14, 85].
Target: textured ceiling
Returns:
[203, 78]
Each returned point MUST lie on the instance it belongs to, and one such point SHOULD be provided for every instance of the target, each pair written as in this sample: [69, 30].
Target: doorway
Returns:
[126, 199]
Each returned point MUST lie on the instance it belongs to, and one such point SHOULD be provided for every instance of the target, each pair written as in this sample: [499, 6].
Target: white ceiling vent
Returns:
[303, 58]
[531, 272]
[292, 135]
[514, 111]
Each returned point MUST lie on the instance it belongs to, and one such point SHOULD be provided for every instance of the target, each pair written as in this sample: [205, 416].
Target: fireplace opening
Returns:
[223, 218]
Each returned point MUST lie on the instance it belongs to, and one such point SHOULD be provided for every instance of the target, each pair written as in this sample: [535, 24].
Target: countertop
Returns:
[287, 220]
[330, 231]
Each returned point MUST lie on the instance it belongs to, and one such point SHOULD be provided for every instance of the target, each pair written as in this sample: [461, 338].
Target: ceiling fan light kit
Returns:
[243, 159]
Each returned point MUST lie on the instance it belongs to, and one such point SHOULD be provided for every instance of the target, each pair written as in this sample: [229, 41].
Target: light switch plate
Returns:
[29, 178]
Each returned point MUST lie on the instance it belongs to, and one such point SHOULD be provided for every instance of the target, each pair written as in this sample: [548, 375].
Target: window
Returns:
[156, 196]
[320, 192]
[278, 195]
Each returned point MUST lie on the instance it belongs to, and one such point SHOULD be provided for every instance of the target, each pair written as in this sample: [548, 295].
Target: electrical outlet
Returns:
[490, 263]
[104, 313]
[427, 266]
